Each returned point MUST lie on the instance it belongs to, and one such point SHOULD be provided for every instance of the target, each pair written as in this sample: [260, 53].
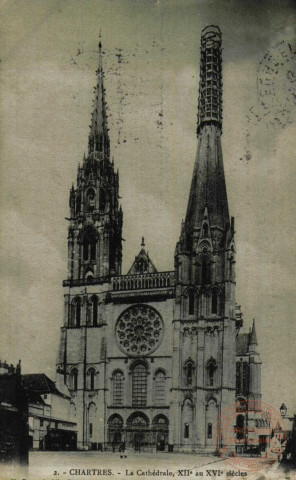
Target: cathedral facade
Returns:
[151, 358]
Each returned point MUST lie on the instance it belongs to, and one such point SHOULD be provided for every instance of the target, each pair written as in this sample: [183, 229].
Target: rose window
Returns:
[139, 330]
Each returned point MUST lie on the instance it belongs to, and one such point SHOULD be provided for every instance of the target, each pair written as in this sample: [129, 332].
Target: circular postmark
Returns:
[250, 435]
[276, 84]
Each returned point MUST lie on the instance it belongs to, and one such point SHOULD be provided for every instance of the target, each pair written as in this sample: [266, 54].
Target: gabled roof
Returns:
[142, 263]
[40, 383]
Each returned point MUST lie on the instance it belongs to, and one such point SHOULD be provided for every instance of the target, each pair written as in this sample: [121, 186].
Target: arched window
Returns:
[89, 244]
[189, 368]
[159, 388]
[93, 249]
[214, 302]
[90, 196]
[85, 248]
[103, 200]
[211, 370]
[94, 310]
[204, 271]
[117, 388]
[187, 418]
[210, 430]
[139, 386]
[74, 379]
[91, 375]
[78, 203]
[76, 312]
[205, 230]
[92, 409]
[191, 302]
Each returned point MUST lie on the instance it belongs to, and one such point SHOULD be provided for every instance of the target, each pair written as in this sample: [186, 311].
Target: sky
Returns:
[151, 63]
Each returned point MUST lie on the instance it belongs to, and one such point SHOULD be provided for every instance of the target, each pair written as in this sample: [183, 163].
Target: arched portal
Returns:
[160, 428]
[115, 431]
[138, 433]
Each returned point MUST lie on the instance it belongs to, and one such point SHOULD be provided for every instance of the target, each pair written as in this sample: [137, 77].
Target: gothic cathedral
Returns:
[152, 358]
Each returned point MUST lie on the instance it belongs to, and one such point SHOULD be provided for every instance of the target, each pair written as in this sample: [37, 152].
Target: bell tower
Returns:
[204, 267]
[94, 234]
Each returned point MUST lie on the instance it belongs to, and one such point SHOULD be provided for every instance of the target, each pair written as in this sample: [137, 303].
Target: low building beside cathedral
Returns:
[151, 358]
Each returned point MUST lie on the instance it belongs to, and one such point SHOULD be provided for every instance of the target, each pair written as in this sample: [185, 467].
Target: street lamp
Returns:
[283, 410]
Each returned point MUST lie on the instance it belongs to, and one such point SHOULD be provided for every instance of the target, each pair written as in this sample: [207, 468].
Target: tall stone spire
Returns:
[98, 140]
[208, 188]
[95, 238]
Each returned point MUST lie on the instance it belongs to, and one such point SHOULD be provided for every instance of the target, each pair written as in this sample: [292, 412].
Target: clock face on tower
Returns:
[139, 330]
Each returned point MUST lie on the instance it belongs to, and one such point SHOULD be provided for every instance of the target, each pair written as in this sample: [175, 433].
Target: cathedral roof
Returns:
[142, 263]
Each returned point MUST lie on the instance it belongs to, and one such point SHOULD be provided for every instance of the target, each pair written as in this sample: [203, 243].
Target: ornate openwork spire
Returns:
[98, 140]
[210, 85]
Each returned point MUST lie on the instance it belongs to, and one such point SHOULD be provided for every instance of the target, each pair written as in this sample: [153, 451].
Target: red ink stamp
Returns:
[250, 435]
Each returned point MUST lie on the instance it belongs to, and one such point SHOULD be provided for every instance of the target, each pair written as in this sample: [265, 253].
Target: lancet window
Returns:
[139, 385]
[94, 310]
[117, 388]
[191, 302]
[159, 388]
[74, 379]
[211, 368]
[76, 312]
[91, 375]
[189, 369]
[90, 196]
[205, 271]
[89, 247]
[214, 302]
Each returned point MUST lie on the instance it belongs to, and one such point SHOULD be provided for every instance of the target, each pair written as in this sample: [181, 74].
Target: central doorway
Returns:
[138, 441]
[160, 442]
[137, 431]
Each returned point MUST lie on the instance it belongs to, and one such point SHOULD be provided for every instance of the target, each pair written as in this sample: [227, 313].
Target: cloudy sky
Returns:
[151, 61]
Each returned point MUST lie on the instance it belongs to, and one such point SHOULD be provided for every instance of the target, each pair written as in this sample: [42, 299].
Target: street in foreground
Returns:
[130, 466]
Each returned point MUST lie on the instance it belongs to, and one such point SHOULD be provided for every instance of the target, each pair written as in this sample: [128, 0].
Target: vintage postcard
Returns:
[148, 239]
